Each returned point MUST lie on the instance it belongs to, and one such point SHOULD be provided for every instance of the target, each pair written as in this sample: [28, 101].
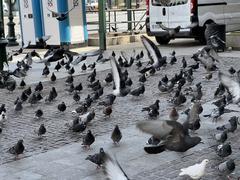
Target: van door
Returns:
[232, 15]
[158, 15]
[180, 13]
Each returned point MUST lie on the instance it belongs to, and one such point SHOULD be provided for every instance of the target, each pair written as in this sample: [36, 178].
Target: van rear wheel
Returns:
[162, 40]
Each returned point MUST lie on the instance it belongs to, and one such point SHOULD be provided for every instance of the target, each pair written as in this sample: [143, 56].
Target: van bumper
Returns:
[182, 34]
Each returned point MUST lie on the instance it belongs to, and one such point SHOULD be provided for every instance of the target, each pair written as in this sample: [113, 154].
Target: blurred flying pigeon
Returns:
[113, 169]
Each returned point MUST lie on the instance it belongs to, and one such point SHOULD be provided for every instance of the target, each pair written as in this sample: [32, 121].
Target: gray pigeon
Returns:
[17, 149]
[88, 139]
[98, 158]
[116, 135]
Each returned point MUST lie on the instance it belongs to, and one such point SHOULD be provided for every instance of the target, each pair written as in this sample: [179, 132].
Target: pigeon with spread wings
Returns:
[120, 87]
[113, 169]
[61, 16]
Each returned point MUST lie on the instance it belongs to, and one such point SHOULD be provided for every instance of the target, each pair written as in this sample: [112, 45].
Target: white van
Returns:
[191, 15]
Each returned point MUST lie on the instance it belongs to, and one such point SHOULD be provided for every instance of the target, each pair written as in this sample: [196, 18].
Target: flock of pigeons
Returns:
[167, 135]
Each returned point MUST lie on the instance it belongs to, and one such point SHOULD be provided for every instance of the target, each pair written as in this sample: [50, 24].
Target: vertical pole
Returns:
[3, 41]
[129, 14]
[102, 24]
[11, 30]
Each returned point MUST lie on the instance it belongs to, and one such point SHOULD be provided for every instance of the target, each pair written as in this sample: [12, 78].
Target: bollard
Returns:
[11, 30]
[102, 24]
[3, 41]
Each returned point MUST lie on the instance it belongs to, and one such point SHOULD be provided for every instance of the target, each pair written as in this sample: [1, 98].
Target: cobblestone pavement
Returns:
[126, 112]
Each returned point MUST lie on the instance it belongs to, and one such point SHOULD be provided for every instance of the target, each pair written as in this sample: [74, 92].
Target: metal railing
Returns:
[111, 19]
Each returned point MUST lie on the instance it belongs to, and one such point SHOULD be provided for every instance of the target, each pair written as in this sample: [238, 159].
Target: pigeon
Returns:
[61, 16]
[3, 118]
[3, 108]
[138, 91]
[39, 87]
[69, 80]
[184, 63]
[231, 126]
[173, 116]
[108, 100]
[76, 97]
[81, 109]
[174, 134]
[18, 106]
[68, 67]
[232, 85]
[38, 113]
[62, 107]
[219, 91]
[11, 86]
[84, 67]
[22, 84]
[98, 158]
[221, 137]
[0, 130]
[152, 106]
[153, 141]
[128, 82]
[79, 127]
[87, 118]
[57, 67]
[88, 139]
[107, 111]
[28, 91]
[113, 169]
[79, 87]
[142, 79]
[227, 167]
[224, 150]
[139, 64]
[70, 89]
[41, 130]
[116, 135]
[109, 78]
[220, 102]
[71, 71]
[120, 87]
[92, 66]
[195, 171]
[32, 99]
[17, 149]
[231, 70]
[46, 71]
[50, 97]
[53, 77]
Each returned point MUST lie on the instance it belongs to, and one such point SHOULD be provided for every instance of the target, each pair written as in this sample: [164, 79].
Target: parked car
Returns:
[191, 15]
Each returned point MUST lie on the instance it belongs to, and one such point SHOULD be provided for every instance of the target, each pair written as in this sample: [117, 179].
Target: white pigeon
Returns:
[113, 169]
[196, 171]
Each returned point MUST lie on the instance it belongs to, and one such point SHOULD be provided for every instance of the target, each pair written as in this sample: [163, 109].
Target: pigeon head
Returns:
[230, 165]
[205, 161]
[20, 141]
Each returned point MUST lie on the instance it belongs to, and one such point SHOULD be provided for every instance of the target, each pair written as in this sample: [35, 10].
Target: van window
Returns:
[168, 2]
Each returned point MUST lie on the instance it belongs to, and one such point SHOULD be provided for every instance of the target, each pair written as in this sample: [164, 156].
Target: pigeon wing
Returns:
[158, 129]
[153, 51]
[115, 72]
[232, 85]
[113, 169]
[124, 55]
